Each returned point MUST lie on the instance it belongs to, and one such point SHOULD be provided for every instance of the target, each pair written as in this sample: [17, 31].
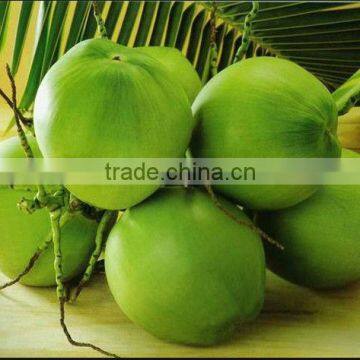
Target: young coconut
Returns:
[265, 108]
[184, 270]
[104, 100]
[320, 237]
[22, 234]
[178, 66]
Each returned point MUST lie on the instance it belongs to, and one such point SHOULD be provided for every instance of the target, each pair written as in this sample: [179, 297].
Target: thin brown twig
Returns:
[6, 98]
[77, 343]
[250, 225]
[26, 121]
[23, 139]
[13, 92]
[20, 130]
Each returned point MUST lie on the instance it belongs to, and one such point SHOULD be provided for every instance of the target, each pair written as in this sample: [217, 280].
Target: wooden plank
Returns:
[294, 322]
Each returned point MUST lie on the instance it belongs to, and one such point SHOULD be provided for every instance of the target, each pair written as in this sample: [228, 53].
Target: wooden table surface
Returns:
[294, 322]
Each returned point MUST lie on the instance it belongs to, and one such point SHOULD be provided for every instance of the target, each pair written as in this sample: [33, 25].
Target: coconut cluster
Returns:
[186, 266]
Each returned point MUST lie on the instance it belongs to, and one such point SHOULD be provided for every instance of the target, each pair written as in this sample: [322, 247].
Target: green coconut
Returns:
[320, 237]
[183, 270]
[104, 100]
[265, 108]
[179, 67]
[22, 234]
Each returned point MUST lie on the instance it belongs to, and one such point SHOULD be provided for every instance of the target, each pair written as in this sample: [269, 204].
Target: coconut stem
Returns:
[250, 225]
[27, 122]
[99, 21]
[247, 31]
[24, 143]
[56, 232]
[64, 219]
[55, 205]
[213, 46]
[23, 139]
[55, 216]
[100, 240]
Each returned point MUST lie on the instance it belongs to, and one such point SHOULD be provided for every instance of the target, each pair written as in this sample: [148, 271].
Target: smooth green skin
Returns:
[90, 105]
[183, 270]
[265, 107]
[179, 67]
[320, 236]
[21, 233]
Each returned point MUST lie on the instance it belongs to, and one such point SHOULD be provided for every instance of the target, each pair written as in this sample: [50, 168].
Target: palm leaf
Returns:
[320, 36]
[112, 18]
[174, 23]
[160, 23]
[22, 28]
[323, 37]
[202, 64]
[55, 31]
[145, 23]
[77, 27]
[195, 36]
[185, 24]
[128, 23]
[227, 50]
[4, 10]
[34, 78]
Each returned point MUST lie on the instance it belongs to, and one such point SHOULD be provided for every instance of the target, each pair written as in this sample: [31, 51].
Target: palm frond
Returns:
[127, 26]
[78, 24]
[323, 37]
[4, 10]
[320, 36]
[161, 19]
[113, 16]
[35, 73]
[54, 36]
[25, 13]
